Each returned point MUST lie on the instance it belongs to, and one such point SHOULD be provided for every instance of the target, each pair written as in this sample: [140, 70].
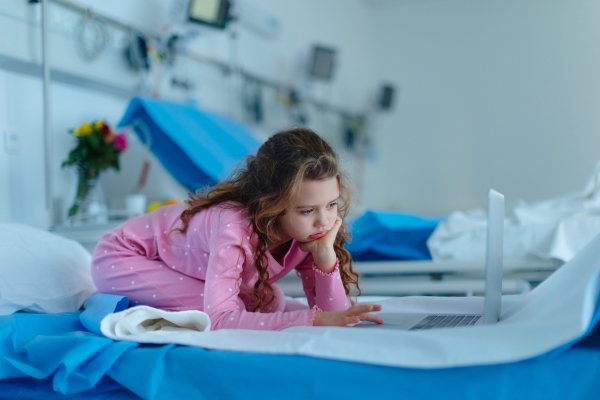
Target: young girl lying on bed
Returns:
[222, 252]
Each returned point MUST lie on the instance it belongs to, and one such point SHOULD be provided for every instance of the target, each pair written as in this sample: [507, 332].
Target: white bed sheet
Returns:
[558, 312]
[552, 229]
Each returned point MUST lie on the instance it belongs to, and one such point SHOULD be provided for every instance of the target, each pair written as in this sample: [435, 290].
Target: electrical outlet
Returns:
[11, 142]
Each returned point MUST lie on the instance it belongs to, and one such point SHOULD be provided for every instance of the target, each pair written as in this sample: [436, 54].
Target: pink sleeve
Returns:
[229, 250]
[330, 293]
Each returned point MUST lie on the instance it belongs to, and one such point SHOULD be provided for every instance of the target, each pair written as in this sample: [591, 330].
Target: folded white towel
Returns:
[150, 325]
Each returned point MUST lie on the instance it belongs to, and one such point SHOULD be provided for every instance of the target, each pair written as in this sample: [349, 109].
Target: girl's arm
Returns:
[321, 271]
[230, 253]
[329, 289]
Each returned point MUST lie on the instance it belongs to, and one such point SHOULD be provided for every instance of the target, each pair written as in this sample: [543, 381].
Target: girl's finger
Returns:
[351, 320]
[361, 309]
[365, 308]
[305, 246]
[330, 236]
[357, 310]
[371, 318]
[336, 226]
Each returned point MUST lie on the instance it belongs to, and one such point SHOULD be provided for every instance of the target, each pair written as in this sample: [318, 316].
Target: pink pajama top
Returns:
[219, 249]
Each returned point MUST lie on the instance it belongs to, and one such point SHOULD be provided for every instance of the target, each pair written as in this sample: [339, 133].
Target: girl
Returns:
[223, 251]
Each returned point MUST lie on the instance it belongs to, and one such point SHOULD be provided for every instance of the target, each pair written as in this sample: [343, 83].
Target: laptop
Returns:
[493, 285]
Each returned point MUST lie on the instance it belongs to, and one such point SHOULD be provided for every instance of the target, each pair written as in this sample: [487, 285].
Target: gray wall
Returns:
[501, 94]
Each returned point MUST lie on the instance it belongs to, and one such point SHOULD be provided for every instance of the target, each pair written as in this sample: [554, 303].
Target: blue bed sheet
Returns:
[63, 356]
[31, 388]
[386, 235]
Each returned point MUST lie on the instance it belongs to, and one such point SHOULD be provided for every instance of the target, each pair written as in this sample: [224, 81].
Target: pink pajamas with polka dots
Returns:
[209, 268]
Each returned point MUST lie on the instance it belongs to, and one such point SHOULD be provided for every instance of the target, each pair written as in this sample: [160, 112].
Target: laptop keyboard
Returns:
[445, 321]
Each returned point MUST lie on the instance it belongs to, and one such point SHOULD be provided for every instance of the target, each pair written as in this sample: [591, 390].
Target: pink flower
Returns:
[109, 138]
[120, 142]
[105, 133]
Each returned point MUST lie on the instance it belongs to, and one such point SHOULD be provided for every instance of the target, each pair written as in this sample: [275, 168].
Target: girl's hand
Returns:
[322, 248]
[352, 315]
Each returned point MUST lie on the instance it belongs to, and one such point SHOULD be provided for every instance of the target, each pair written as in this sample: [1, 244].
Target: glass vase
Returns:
[89, 204]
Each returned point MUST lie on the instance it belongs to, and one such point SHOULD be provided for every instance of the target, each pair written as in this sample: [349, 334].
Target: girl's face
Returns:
[312, 211]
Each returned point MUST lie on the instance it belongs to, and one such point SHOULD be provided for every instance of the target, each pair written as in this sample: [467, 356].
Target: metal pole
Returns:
[46, 105]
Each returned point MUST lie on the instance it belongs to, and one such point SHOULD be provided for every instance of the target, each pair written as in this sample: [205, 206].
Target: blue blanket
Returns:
[58, 351]
[198, 148]
[385, 235]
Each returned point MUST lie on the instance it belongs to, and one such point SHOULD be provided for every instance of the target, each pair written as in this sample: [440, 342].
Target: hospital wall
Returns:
[489, 94]
[502, 94]
[278, 58]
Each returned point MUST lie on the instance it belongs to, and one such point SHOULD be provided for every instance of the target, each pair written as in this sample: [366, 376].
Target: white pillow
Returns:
[41, 271]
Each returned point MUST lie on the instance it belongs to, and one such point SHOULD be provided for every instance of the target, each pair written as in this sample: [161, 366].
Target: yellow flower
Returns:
[98, 125]
[85, 130]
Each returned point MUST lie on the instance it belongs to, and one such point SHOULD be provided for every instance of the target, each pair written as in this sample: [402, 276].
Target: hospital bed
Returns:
[46, 355]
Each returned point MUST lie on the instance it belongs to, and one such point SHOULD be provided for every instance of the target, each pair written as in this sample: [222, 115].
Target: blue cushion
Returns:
[385, 235]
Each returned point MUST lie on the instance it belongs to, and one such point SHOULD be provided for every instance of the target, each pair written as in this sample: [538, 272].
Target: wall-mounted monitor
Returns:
[209, 12]
[322, 62]
[386, 97]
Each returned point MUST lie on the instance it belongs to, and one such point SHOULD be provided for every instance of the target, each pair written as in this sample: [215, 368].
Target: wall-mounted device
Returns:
[209, 12]
[11, 142]
[322, 62]
[91, 37]
[252, 99]
[136, 52]
[386, 97]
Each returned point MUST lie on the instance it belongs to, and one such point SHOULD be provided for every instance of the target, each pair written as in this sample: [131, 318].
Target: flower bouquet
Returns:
[98, 149]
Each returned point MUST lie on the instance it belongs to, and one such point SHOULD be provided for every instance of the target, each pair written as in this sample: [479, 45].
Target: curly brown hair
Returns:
[266, 186]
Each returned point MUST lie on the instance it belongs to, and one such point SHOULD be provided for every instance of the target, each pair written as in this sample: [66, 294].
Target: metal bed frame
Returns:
[451, 278]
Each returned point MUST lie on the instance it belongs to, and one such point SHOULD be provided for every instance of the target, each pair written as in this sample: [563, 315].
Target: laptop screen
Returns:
[494, 262]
